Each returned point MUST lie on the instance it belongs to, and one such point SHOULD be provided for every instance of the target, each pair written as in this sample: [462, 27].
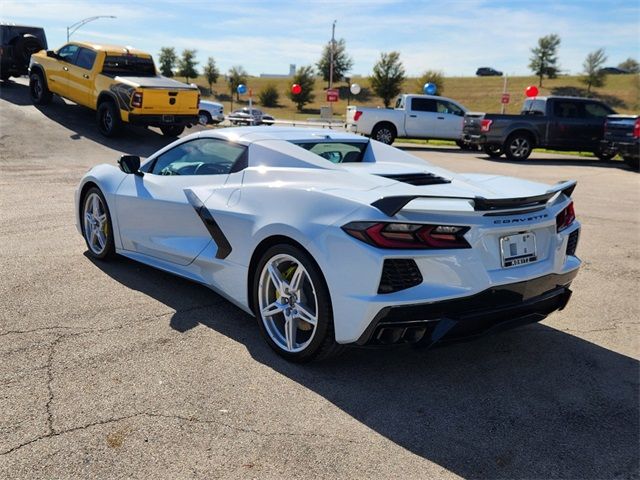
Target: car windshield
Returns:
[336, 152]
[129, 65]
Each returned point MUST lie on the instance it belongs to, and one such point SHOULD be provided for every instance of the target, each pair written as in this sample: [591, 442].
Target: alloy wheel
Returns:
[96, 226]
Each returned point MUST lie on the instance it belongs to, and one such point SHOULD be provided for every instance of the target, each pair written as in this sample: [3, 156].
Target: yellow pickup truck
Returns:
[120, 83]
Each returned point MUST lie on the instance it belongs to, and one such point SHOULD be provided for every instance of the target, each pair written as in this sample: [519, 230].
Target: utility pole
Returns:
[333, 46]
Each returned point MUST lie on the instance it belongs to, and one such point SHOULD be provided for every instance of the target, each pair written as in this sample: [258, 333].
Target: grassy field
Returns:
[622, 92]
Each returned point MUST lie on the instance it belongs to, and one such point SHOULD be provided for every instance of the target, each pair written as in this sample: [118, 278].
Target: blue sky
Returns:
[454, 36]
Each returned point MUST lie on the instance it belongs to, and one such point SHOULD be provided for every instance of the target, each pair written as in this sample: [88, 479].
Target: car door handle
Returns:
[413, 116]
[65, 69]
[85, 76]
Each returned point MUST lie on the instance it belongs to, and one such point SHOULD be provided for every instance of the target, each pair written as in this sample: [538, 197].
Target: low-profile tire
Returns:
[97, 228]
[108, 117]
[518, 146]
[494, 151]
[172, 130]
[384, 132]
[632, 162]
[40, 94]
[204, 118]
[293, 306]
[605, 154]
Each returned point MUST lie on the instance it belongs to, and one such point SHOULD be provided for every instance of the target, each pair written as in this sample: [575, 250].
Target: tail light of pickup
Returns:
[357, 115]
[136, 100]
[636, 129]
[485, 125]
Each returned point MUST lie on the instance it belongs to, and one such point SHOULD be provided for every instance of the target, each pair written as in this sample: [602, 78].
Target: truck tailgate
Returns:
[472, 123]
[167, 101]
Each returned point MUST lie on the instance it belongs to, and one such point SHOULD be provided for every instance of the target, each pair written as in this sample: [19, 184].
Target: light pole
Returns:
[333, 43]
[71, 29]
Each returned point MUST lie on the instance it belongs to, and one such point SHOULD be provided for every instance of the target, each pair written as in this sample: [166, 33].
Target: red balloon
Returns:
[296, 89]
[531, 91]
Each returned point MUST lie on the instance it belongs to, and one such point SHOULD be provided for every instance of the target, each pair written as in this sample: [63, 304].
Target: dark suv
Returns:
[488, 72]
[17, 43]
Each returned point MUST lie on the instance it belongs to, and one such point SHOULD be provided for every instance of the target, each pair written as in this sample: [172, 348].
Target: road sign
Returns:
[505, 98]
[332, 95]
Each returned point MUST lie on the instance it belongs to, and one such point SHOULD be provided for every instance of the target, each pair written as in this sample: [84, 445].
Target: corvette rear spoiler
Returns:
[390, 206]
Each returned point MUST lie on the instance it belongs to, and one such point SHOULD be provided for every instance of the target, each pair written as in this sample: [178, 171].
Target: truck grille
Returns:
[399, 274]
[572, 244]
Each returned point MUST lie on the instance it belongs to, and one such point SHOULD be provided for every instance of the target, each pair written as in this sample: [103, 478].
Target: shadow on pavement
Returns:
[82, 121]
[530, 403]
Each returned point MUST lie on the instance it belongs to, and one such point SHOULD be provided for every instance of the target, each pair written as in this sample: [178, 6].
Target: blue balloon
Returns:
[242, 89]
[429, 89]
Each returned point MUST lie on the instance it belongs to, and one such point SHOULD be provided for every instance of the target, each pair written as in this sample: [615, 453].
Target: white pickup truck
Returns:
[415, 116]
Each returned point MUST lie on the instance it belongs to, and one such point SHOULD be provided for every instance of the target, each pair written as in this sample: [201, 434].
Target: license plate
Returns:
[167, 118]
[518, 249]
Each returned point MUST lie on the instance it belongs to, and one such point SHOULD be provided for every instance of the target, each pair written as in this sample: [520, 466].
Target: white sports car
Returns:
[330, 238]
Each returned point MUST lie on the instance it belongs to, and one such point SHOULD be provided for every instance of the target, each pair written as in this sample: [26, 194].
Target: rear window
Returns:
[336, 152]
[534, 107]
[129, 65]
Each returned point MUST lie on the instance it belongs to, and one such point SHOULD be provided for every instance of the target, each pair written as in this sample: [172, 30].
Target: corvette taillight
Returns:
[565, 218]
[485, 125]
[408, 235]
[136, 100]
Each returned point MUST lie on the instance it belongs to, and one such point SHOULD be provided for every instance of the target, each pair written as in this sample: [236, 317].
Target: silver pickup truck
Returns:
[414, 116]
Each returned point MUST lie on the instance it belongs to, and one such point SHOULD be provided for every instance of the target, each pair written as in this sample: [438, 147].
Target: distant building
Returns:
[292, 72]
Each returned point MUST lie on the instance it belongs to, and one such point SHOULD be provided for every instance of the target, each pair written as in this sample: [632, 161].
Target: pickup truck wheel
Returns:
[172, 131]
[605, 154]
[518, 146]
[40, 94]
[204, 118]
[494, 151]
[384, 133]
[109, 122]
[632, 162]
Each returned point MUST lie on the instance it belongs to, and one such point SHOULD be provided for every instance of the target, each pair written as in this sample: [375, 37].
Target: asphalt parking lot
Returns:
[115, 370]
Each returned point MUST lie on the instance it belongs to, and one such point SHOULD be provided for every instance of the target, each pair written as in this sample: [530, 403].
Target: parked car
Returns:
[120, 83]
[559, 123]
[329, 238]
[614, 70]
[414, 116]
[210, 112]
[622, 135]
[488, 72]
[244, 116]
[17, 44]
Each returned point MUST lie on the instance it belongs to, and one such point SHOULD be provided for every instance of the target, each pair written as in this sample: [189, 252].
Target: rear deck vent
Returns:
[399, 274]
[421, 178]
[572, 244]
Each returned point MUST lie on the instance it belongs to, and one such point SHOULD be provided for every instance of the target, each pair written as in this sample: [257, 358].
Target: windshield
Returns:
[128, 65]
[336, 152]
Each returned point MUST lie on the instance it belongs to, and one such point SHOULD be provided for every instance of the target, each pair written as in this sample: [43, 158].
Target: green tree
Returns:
[269, 96]
[631, 65]
[306, 79]
[342, 62]
[431, 76]
[544, 58]
[388, 76]
[235, 77]
[593, 74]
[187, 65]
[211, 73]
[167, 60]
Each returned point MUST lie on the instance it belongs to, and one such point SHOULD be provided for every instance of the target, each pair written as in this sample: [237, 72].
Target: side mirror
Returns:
[52, 54]
[130, 164]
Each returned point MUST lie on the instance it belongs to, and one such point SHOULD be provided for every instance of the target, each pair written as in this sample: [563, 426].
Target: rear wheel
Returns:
[40, 94]
[384, 132]
[494, 151]
[632, 162]
[108, 116]
[518, 146]
[172, 131]
[96, 225]
[293, 306]
[605, 153]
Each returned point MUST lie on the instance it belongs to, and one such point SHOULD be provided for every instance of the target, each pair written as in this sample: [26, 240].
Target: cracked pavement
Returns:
[116, 370]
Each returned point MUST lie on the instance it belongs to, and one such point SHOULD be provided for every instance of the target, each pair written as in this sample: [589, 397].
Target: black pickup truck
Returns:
[622, 135]
[558, 123]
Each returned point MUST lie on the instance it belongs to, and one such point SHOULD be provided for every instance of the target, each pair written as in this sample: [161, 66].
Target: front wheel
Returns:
[204, 118]
[96, 225]
[40, 94]
[384, 133]
[293, 306]
[605, 154]
[172, 131]
[518, 147]
[494, 151]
